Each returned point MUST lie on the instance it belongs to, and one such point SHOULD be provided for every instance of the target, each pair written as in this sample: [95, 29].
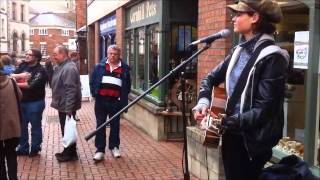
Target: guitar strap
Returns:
[235, 97]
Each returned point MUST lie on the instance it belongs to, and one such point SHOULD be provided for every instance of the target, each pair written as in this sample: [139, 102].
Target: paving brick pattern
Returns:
[142, 157]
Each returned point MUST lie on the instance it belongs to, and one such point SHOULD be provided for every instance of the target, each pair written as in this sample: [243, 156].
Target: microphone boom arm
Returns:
[173, 71]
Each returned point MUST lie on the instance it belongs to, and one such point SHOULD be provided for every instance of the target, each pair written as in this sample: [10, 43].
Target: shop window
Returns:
[142, 53]
[181, 36]
[153, 36]
[140, 76]
[291, 35]
[130, 55]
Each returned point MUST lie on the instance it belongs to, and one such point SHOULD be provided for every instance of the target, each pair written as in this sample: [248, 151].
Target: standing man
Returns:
[254, 75]
[31, 78]
[66, 95]
[110, 85]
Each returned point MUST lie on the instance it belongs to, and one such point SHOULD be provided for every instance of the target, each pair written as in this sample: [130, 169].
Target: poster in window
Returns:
[184, 37]
[301, 49]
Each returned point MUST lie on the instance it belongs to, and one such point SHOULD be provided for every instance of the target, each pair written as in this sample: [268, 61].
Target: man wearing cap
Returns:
[254, 77]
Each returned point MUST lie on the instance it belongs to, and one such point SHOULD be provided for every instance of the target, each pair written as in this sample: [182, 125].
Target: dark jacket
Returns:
[261, 103]
[96, 78]
[37, 82]
[66, 87]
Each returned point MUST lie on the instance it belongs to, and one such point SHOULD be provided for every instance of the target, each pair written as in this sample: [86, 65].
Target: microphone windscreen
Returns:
[225, 33]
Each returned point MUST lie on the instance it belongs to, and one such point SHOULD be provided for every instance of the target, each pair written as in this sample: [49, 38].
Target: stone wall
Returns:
[204, 163]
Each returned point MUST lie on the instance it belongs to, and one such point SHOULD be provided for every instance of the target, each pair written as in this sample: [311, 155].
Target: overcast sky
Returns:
[48, 5]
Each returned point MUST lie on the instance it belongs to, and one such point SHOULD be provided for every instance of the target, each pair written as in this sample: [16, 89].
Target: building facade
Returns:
[47, 30]
[18, 27]
[3, 27]
[153, 35]
[81, 27]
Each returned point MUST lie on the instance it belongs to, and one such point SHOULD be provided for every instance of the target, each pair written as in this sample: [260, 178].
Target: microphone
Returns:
[209, 39]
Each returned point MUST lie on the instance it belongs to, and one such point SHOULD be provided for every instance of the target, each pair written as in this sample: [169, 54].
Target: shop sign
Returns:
[143, 12]
[301, 49]
[85, 88]
[108, 24]
[72, 45]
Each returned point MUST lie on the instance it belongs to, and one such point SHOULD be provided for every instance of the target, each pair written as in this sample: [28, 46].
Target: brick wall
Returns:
[213, 16]
[120, 16]
[53, 38]
[81, 13]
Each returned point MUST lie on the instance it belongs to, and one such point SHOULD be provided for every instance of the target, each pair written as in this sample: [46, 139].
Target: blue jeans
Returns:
[31, 113]
[102, 109]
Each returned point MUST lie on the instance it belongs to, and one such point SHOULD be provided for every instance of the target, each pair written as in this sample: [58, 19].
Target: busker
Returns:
[254, 77]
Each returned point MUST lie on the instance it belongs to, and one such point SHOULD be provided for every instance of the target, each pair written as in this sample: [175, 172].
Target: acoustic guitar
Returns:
[212, 129]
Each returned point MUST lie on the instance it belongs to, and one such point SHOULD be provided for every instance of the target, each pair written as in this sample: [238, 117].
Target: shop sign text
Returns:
[143, 11]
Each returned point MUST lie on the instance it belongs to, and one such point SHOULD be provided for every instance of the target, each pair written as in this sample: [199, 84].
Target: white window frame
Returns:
[43, 31]
[64, 32]
[31, 31]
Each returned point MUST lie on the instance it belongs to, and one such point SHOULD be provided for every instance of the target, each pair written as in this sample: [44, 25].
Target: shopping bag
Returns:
[70, 132]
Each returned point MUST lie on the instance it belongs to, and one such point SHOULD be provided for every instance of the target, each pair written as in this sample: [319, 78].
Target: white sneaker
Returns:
[116, 152]
[99, 156]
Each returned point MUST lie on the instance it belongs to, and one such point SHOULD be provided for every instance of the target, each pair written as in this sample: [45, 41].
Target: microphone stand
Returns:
[176, 69]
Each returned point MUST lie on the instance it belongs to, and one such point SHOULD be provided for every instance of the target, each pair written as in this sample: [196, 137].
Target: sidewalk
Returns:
[142, 157]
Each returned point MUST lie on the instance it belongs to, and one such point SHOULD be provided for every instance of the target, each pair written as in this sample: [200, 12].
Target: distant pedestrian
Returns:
[49, 69]
[110, 85]
[66, 95]
[31, 78]
[10, 96]
[8, 66]
[75, 58]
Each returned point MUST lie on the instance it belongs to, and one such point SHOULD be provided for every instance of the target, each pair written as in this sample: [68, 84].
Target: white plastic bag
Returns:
[70, 132]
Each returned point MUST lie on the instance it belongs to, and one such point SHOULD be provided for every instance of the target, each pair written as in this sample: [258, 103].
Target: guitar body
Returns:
[212, 134]
[211, 137]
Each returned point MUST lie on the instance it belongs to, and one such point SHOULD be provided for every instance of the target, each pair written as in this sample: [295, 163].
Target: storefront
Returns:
[156, 35]
[107, 33]
[298, 33]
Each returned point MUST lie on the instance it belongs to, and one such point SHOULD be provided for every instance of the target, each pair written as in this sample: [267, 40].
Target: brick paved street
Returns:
[142, 157]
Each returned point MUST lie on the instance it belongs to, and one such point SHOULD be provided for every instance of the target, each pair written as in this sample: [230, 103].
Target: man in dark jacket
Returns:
[31, 78]
[110, 85]
[254, 77]
[66, 95]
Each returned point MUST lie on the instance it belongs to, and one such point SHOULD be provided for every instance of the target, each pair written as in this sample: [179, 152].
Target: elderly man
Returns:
[66, 95]
[110, 85]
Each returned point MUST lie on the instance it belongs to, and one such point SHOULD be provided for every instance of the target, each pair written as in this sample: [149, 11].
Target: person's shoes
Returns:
[64, 157]
[34, 153]
[116, 152]
[99, 156]
[22, 153]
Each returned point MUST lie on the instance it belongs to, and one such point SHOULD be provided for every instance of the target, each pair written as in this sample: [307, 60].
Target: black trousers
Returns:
[236, 162]
[8, 159]
[71, 150]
